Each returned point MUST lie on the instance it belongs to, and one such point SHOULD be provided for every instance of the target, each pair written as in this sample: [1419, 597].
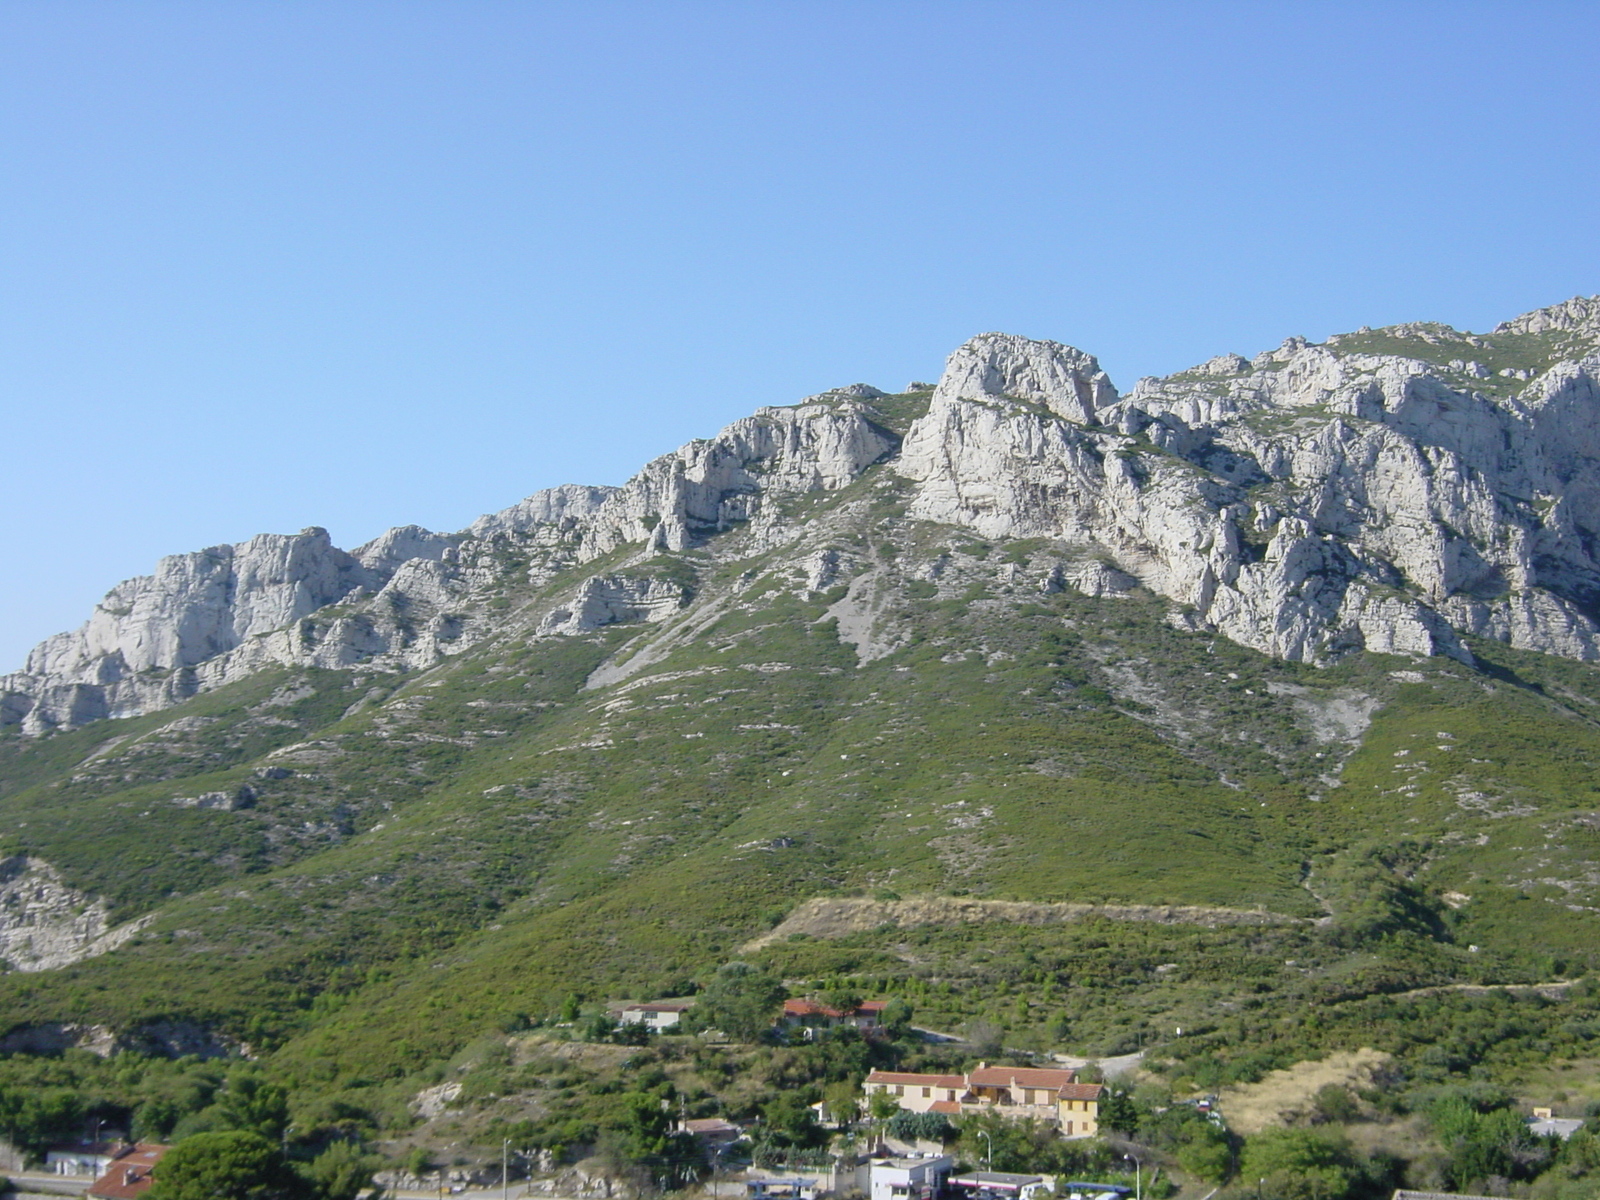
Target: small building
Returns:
[782, 1189]
[1079, 1190]
[83, 1158]
[657, 1015]
[808, 1014]
[129, 1175]
[999, 1185]
[712, 1131]
[909, 1178]
[1544, 1123]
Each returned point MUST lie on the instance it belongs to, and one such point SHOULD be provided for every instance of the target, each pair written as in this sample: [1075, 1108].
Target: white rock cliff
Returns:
[1390, 490]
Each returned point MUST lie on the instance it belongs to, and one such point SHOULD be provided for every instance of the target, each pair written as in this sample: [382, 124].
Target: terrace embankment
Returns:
[841, 916]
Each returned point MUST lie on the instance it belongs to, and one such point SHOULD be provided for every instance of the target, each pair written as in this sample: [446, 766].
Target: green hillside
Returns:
[363, 879]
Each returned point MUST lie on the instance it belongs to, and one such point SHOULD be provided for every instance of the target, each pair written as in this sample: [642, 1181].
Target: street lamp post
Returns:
[990, 1140]
[1138, 1186]
[505, 1177]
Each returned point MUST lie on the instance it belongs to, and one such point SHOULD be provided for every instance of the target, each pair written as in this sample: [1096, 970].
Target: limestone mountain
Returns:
[1178, 656]
[1388, 490]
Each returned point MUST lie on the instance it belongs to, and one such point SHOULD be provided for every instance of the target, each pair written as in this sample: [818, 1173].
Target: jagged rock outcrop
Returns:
[411, 596]
[1308, 502]
[46, 923]
[1389, 490]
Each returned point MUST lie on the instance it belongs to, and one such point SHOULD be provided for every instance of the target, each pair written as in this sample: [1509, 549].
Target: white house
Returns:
[88, 1158]
[657, 1015]
[909, 1178]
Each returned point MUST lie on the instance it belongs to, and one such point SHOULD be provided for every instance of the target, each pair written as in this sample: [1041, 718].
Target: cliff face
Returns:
[1389, 490]
[46, 923]
[1313, 500]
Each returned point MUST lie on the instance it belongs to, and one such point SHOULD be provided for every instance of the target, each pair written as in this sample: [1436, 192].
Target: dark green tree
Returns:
[34, 1117]
[740, 1000]
[1118, 1112]
[915, 1126]
[1301, 1164]
[249, 1102]
[897, 1017]
[341, 1172]
[232, 1165]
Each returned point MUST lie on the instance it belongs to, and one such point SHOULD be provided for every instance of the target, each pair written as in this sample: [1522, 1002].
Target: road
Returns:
[43, 1183]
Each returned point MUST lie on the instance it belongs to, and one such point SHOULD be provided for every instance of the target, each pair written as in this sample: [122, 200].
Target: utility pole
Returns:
[505, 1178]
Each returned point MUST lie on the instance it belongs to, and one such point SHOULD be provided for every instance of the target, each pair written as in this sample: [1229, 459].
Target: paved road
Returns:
[43, 1183]
[1109, 1067]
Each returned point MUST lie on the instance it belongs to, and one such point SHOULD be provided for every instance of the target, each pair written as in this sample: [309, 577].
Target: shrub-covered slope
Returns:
[637, 758]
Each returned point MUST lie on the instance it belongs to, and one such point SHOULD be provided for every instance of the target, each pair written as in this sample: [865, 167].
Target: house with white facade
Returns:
[909, 1178]
[1052, 1095]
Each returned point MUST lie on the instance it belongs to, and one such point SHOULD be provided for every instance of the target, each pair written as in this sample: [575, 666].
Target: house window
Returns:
[898, 1090]
[1027, 1095]
[926, 1092]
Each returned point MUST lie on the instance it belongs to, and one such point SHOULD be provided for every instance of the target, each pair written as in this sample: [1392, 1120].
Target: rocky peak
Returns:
[1065, 380]
[1379, 490]
[552, 506]
[1581, 314]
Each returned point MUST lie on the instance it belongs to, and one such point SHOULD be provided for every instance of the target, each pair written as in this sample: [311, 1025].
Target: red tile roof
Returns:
[912, 1079]
[1028, 1077]
[945, 1106]
[128, 1176]
[1082, 1091]
[711, 1125]
[810, 1008]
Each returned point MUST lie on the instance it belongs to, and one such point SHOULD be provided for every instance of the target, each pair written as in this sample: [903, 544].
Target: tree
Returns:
[1333, 1105]
[341, 1172]
[882, 1106]
[843, 1101]
[1118, 1113]
[984, 1038]
[896, 1017]
[232, 1165]
[1484, 1145]
[34, 1117]
[1301, 1164]
[648, 1141]
[919, 1127]
[843, 1000]
[249, 1102]
[740, 1000]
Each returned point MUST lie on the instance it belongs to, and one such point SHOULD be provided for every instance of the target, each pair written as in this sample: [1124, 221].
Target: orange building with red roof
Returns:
[1047, 1094]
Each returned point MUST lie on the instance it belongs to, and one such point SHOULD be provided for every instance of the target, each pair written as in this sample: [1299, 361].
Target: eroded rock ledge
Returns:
[45, 923]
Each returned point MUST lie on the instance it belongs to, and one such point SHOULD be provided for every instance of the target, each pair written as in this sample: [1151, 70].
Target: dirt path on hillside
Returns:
[840, 916]
[1554, 990]
[1286, 1093]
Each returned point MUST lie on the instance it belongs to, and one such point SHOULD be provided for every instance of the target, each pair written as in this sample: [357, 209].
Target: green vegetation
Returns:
[447, 876]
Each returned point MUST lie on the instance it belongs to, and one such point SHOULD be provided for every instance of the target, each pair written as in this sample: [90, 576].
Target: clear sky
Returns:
[268, 265]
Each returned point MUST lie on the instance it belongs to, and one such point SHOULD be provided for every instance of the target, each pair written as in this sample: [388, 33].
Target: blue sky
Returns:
[268, 265]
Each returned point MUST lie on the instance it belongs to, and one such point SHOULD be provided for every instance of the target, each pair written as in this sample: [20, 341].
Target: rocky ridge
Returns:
[1393, 490]
[46, 923]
